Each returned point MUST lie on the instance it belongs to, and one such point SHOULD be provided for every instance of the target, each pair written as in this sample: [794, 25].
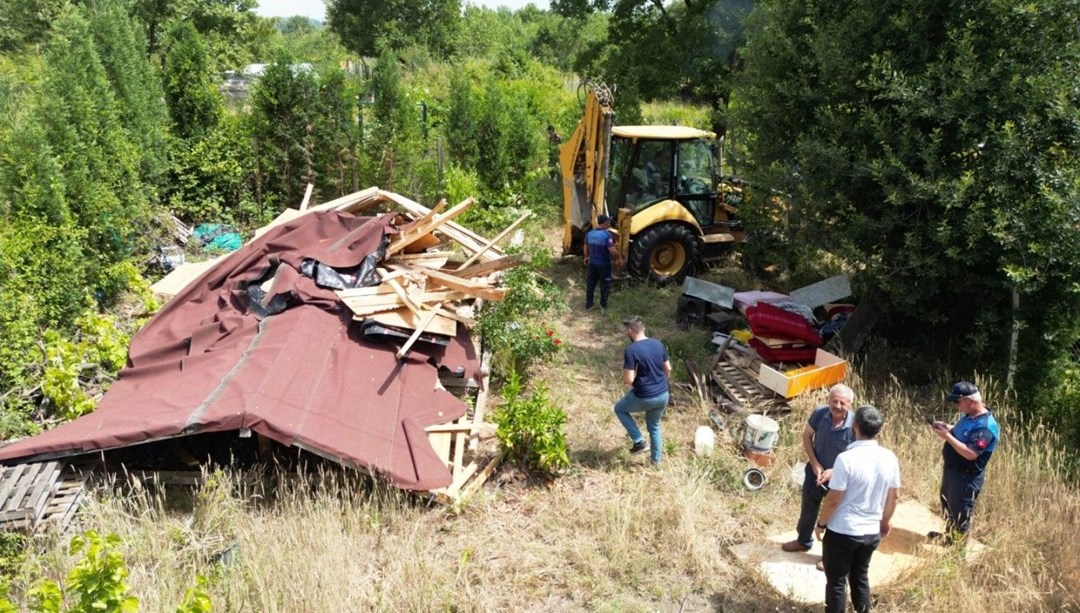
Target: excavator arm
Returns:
[583, 164]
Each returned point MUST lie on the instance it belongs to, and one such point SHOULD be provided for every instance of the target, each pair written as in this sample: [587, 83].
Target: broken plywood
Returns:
[795, 575]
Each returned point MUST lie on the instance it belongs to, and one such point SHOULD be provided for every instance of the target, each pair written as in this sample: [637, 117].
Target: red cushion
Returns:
[772, 321]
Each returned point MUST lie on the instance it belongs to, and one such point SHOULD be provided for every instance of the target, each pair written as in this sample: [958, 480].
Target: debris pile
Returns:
[770, 344]
[333, 332]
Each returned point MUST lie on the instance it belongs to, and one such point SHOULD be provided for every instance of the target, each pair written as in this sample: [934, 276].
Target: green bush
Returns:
[78, 369]
[530, 428]
[96, 583]
[514, 329]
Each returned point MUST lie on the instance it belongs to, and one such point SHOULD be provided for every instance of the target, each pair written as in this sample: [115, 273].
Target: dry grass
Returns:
[611, 535]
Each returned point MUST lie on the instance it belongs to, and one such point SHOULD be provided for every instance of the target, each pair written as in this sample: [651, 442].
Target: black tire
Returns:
[665, 253]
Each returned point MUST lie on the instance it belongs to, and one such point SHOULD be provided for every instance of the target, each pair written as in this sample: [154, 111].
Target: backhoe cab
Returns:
[660, 184]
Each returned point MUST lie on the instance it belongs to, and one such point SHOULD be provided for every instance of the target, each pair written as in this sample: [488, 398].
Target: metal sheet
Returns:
[709, 292]
[823, 292]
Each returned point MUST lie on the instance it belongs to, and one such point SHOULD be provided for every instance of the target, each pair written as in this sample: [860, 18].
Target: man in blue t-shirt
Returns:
[969, 443]
[646, 369]
[600, 252]
[827, 433]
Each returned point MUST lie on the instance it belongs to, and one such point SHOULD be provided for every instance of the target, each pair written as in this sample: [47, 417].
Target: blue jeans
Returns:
[654, 410]
[597, 274]
[847, 560]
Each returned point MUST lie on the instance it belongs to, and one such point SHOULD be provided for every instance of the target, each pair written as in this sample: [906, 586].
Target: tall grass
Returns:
[612, 534]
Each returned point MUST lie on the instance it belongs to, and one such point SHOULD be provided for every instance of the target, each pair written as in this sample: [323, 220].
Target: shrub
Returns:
[96, 583]
[513, 329]
[87, 363]
[530, 428]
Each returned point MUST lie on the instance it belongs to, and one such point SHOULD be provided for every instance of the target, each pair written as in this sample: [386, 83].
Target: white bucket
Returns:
[704, 441]
[761, 433]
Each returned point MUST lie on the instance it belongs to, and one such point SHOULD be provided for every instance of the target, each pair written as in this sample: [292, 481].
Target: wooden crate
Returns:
[827, 369]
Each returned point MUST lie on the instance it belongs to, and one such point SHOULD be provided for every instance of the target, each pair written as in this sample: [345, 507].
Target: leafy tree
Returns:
[284, 111]
[935, 145]
[232, 31]
[99, 161]
[193, 101]
[656, 51]
[26, 22]
[361, 24]
[136, 87]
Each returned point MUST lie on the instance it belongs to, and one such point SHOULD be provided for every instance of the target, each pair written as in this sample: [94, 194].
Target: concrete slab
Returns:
[795, 575]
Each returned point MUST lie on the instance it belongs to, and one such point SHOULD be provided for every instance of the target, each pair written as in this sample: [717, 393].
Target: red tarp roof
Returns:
[207, 363]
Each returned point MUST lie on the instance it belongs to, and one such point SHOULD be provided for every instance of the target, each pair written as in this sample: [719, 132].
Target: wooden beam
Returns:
[465, 286]
[469, 240]
[360, 199]
[307, 197]
[424, 323]
[498, 237]
[400, 291]
[481, 399]
[502, 263]
[418, 231]
[477, 482]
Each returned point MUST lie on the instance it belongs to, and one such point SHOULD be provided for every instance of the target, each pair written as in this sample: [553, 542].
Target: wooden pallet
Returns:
[737, 385]
[34, 495]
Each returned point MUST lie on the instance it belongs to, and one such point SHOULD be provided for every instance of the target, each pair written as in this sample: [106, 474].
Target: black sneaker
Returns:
[639, 447]
[939, 538]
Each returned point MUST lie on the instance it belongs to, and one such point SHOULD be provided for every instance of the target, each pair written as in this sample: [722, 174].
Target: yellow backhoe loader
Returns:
[658, 183]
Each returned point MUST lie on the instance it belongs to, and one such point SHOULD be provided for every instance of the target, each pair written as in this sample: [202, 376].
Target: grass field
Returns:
[611, 534]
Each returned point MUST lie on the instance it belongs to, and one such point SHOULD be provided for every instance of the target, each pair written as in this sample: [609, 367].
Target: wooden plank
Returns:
[494, 265]
[46, 485]
[426, 218]
[367, 196]
[468, 240]
[424, 323]
[307, 197]
[440, 442]
[10, 480]
[421, 230]
[494, 241]
[478, 481]
[450, 494]
[400, 291]
[366, 305]
[454, 427]
[481, 400]
[15, 501]
[460, 439]
[404, 318]
[412, 258]
[465, 286]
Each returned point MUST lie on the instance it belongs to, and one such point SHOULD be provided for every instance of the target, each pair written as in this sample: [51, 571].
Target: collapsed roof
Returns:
[261, 341]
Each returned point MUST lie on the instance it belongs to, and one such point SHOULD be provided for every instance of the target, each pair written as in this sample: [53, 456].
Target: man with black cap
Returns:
[969, 443]
[600, 252]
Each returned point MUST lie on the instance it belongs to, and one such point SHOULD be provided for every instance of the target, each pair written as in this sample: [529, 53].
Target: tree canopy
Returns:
[933, 146]
[361, 24]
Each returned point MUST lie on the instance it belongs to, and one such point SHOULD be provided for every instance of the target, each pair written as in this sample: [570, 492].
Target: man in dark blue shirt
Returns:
[646, 369]
[968, 446]
[600, 252]
[827, 433]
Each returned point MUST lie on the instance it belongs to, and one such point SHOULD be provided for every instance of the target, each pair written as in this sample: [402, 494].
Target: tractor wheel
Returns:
[664, 253]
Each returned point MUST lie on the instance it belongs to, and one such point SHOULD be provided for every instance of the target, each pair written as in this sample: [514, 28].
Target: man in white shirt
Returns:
[856, 512]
